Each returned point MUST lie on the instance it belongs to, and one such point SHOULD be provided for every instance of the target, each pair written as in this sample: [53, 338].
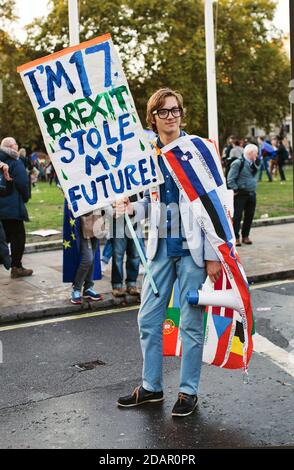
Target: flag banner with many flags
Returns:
[195, 165]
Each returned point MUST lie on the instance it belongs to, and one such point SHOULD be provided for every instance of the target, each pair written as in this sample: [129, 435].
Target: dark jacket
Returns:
[282, 154]
[4, 250]
[242, 180]
[13, 206]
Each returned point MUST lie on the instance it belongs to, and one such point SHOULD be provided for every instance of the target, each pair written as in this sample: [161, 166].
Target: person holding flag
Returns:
[81, 255]
[177, 249]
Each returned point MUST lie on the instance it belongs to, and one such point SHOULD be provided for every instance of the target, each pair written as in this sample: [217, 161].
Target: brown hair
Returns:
[156, 102]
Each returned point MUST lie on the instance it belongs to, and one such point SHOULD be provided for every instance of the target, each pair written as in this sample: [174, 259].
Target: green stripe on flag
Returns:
[174, 315]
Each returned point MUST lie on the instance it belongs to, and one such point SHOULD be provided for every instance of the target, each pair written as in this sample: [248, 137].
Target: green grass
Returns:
[46, 205]
[45, 210]
[275, 199]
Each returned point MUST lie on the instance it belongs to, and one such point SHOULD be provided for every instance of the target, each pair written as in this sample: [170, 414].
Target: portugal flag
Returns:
[172, 344]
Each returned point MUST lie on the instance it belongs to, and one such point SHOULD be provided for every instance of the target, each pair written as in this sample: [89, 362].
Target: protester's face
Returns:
[170, 124]
[14, 145]
[253, 155]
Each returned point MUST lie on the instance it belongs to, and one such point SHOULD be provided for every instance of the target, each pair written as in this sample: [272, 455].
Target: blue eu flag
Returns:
[71, 247]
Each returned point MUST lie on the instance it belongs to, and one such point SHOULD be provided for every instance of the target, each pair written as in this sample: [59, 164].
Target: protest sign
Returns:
[90, 125]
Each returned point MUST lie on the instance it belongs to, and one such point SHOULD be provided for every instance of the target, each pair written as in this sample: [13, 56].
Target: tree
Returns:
[7, 11]
[252, 68]
[163, 44]
[17, 117]
[160, 43]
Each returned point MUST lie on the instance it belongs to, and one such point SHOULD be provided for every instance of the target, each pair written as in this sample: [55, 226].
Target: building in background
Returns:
[285, 128]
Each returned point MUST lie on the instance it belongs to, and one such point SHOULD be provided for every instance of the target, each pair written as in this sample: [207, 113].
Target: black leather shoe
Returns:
[185, 404]
[140, 396]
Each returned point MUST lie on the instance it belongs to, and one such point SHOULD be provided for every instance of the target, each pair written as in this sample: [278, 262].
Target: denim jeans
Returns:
[152, 313]
[84, 274]
[264, 165]
[120, 246]
[107, 251]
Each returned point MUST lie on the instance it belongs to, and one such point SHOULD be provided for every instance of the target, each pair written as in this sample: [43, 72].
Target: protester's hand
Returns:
[5, 168]
[123, 206]
[214, 269]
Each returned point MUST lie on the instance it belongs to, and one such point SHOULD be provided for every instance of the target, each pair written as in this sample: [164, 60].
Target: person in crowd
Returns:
[282, 156]
[242, 179]
[42, 176]
[187, 256]
[226, 152]
[34, 176]
[107, 254]
[23, 157]
[50, 173]
[5, 258]
[273, 164]
[26, 159]
[13, 211]
[123, 244]
[265, 152]
[81, 255]
[235, 152]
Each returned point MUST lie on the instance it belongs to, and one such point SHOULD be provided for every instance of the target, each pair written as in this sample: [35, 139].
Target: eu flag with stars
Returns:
[71, 247]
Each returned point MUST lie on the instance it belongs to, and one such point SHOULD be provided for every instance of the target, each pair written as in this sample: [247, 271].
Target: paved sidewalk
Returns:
[43, 294]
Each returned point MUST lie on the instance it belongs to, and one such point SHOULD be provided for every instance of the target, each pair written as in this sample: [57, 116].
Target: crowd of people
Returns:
[81, 268]
[244, 163]
[38, 167]
[13, 211]
[19, 172]
[273, 153]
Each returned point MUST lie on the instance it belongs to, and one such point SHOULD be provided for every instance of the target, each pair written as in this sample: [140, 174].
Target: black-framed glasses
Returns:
[163, 113]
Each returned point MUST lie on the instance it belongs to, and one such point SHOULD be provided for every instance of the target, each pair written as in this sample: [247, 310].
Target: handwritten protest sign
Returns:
[90, 125]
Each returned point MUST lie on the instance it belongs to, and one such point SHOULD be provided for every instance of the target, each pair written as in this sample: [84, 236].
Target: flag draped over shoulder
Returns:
[71, 247]
[195, 164]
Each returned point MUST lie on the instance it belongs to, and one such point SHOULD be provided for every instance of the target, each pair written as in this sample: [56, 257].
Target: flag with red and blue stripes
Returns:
[195, 164]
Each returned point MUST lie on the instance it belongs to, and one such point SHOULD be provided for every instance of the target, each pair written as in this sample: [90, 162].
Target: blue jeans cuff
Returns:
[116, 286]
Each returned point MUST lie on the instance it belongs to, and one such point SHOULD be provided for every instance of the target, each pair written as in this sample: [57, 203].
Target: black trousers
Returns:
[16, 236]
[243, 203]
[281, 171]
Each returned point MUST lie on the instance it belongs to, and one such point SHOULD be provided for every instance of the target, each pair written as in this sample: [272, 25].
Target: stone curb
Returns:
[287, 219]
[57, 244]
[60, 308]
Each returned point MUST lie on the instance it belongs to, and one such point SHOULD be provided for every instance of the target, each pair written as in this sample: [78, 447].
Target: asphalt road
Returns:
[49, 400]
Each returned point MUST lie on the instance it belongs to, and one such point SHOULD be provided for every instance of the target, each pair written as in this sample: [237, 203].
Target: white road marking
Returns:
[108, 312]
[67, 318]
[280, 357]
[270, 284]
[264, 347]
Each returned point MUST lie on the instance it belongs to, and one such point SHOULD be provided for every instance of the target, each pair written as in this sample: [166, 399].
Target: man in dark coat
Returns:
[13, 211]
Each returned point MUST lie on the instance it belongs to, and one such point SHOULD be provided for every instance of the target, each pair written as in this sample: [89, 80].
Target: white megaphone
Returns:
[214, 298]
